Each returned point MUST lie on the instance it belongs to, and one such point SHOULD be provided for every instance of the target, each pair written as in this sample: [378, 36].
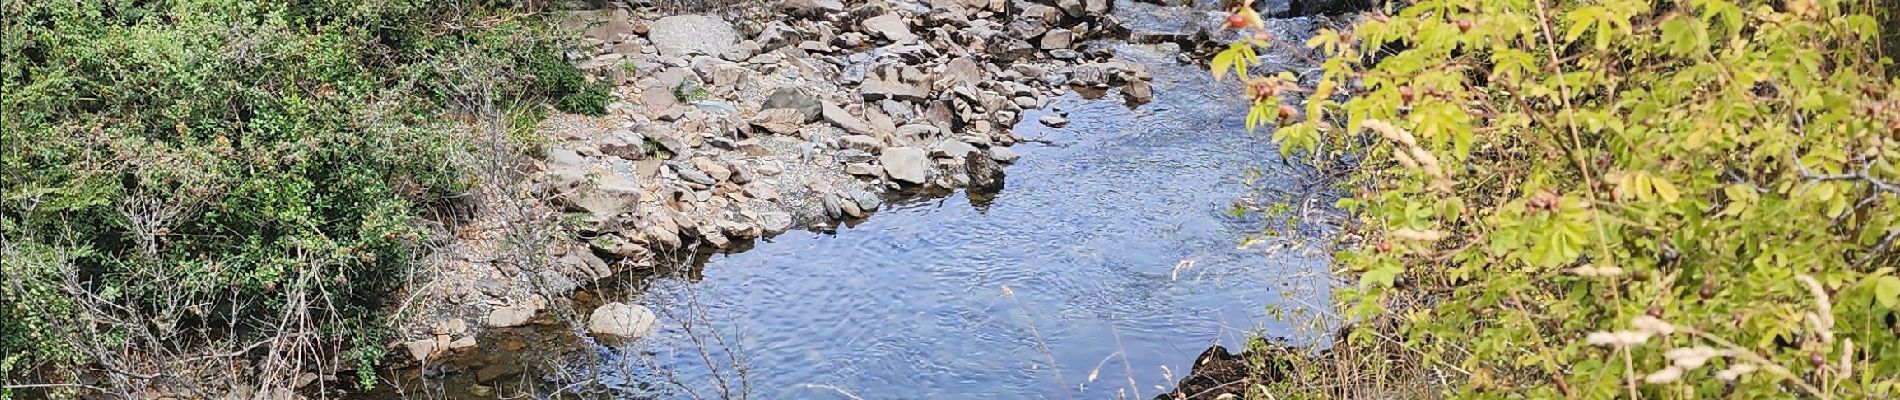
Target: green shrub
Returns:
[1624, 198]
[196, 161]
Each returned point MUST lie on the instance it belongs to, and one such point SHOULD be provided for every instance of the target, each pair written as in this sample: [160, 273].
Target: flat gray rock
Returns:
[682, 35]
[891, 27]
[843, 119]
[794, 98]
[511, 316]
[906, 164]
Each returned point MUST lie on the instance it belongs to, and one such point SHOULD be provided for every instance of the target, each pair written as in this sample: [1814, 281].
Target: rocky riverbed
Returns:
[729, 129]
[728, 132]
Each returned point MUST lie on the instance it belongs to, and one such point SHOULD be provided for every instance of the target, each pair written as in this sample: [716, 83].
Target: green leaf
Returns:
[1580, 21]
[1382, 275]
[1887, 292]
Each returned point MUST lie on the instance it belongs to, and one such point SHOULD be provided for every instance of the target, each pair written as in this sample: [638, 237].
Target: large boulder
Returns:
[683, 35]
[609, 194]
[894, 82]
[890, 26]
[610, 26]
[906, 164]
[621, 321]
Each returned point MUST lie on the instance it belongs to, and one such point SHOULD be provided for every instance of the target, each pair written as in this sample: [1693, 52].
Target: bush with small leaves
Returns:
[188, 173]
[1622, 198]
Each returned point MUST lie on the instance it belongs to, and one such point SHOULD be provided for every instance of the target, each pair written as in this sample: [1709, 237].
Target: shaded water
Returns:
[1110, 255]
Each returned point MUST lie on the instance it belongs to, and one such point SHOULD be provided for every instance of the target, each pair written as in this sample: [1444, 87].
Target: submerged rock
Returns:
[511, 316]
[1003, 154]
[621, 321]
[1053, 121]
[495, 372]
[420, 349]
[1138, 92]
[985, 174]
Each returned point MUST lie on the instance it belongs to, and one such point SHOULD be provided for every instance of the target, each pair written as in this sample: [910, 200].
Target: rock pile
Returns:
[728, 130]
[726, 135]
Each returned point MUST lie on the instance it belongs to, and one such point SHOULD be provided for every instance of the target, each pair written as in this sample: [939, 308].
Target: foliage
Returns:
[191, 162]
[690, 93]
[1620, 198]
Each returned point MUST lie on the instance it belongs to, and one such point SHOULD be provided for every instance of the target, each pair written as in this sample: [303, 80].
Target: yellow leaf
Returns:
[1221, 63]
[1836, 206]
[1667, 191]
[1636, 186]
[1244, 54]
[1253, 118]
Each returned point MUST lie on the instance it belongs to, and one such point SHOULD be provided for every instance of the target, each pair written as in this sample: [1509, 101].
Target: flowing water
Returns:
[1104, 267]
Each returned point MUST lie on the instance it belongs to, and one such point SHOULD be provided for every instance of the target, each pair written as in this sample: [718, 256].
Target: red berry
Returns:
[1262, 90]
[1406, 95]
[1236, 21]
[1464, 25]
[1287, 112]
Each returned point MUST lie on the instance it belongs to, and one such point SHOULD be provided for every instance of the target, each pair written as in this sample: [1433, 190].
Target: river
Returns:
[1109, 261]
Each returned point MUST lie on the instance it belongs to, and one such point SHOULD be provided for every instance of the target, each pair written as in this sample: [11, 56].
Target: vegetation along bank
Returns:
[1629, 199]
